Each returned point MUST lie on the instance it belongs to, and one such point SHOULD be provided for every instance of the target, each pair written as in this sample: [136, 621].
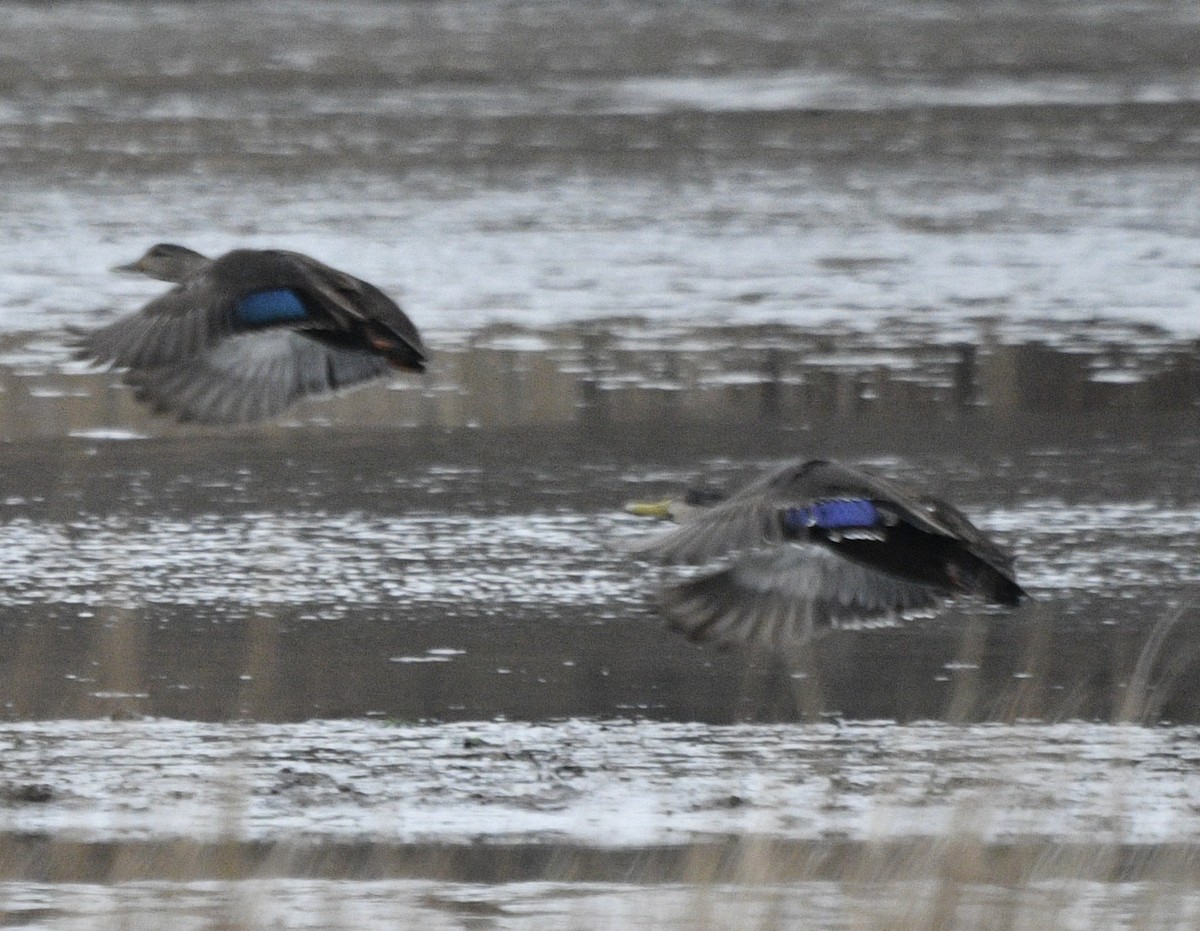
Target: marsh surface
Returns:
[380, 663]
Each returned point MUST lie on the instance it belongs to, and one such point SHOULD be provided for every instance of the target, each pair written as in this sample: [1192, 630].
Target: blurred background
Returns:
[646, 243]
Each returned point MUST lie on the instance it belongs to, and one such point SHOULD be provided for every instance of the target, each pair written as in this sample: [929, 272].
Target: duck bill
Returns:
[657, 509]
[133, 268]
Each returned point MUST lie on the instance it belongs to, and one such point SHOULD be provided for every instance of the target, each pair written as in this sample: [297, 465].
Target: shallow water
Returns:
[856, 164]
[547, 905]
[325, 574]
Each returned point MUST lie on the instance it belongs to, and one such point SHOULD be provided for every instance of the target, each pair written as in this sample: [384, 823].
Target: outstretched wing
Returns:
[180, 324]
[990, 565]
[831, 480]
[252, 377]
[781, 596]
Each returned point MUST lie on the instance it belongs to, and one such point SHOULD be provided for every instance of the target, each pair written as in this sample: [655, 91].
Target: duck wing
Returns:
[352, 305]
[820, 480]
[180, 324]
[971, 537]
[782, 596]
[252, 377]
[249, 291]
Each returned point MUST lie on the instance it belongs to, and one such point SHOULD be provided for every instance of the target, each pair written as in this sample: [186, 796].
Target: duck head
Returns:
[695, 498]
[167, 262]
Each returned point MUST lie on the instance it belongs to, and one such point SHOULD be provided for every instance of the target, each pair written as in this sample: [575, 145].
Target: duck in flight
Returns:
[815, 545]
[244, 336]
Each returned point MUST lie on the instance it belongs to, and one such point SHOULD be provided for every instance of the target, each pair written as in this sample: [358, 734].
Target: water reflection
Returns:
[604, 375]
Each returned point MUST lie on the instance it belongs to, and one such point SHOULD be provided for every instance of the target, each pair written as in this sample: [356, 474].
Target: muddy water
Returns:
[417, 575]
[645, 245]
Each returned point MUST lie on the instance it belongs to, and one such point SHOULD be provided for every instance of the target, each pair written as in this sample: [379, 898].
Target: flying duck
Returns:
[246, 335]
[815, 545]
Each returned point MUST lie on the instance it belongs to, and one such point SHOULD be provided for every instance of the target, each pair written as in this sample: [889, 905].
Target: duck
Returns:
[244, 336]
[815, 545]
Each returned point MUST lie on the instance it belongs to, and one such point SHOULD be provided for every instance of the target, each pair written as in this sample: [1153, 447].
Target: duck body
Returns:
[243, 336]
[896, 530]
[817, 544]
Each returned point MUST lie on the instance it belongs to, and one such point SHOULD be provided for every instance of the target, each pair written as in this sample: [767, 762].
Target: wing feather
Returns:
[252, 377]
[346, 298]
[180, 324]
[782, 596]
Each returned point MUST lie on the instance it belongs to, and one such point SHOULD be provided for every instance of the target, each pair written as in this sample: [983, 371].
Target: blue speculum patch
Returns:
[281, 306]
[833, 515]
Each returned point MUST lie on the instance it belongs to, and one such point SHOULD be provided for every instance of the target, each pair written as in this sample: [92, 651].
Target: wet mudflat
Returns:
[355, 823]
[617, 785]
[381, 662]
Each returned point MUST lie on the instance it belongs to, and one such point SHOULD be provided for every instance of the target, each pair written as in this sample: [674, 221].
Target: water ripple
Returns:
[295, 558]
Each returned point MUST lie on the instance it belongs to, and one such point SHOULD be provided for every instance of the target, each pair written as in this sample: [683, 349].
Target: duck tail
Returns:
[1006, 592]
[975, 576]
[399, 351]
